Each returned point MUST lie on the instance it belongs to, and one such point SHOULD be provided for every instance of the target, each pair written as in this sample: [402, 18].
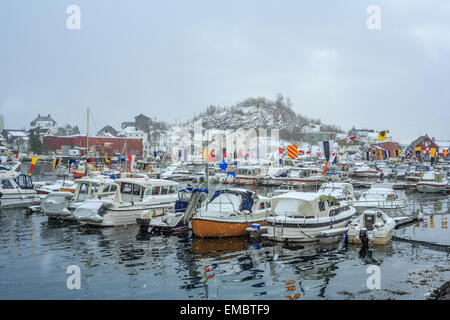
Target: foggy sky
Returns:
[171, 59]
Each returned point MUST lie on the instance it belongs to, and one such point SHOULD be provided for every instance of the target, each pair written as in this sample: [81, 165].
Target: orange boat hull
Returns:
[217, 229]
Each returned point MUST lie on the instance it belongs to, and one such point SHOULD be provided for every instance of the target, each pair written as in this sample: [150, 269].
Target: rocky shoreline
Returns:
[441, 293]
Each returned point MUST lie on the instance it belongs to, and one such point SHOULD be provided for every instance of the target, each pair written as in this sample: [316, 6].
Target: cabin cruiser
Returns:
[16, 189]
[305, 177]
[373, 226]
[61, 205]
[178, 218]
[249, 175]
[414, 175]
[176, 173]
[365, 171]
[340, 190]
[275, 176]
[229, 212]
[306, 216]
[136, 195]
[432, 181]
[381, 196]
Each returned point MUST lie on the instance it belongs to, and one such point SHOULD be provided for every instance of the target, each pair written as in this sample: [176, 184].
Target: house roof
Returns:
[415, 142]
[42, 118]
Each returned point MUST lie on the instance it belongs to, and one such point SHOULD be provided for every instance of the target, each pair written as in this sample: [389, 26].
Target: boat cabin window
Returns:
[156, 191]
[130, 192]
[165, 190]
[262, 205]
[112, 188]
[83, 192]
[24, 182]
[106, 188]
[6, 184]
[269, 205]
[173, 189]
[94, 188]
[321, 205]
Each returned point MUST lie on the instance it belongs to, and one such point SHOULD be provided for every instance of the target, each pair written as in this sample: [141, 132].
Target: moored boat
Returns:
[229, 212]
[431, 182]
[374, 225]
[306, 216]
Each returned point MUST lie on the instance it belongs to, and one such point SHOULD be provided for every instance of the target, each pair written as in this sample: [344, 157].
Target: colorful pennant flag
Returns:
[293, 151]
[349, 139]
[445, 152]
[382, 135]
[56, 162]
[33, 163]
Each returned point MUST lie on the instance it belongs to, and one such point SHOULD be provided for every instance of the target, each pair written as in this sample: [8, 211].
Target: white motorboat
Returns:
[176, 173]
[376, 225]
[157, 196]
[306, 217]
[381, 196]
[365, 171]
[309, 177]
[414, 175]
[432, 181]
[275, 176]
[61, 205]
[16, 189]
[249, 175]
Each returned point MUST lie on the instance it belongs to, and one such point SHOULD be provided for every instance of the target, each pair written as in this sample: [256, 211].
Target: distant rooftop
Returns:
[42, 119]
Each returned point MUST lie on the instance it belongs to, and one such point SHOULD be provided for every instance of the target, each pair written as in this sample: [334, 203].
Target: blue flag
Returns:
[223, 165]
[335, 160]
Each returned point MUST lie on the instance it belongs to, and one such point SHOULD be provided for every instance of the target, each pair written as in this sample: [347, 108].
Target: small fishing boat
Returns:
[136, 195]
[16, 189]
[432, 181]
[376, 225]
[229, 212]
[306, 217]
[381, 196]
[62, 204]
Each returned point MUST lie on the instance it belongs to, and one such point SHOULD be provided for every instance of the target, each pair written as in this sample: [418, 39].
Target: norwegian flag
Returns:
[349, 139]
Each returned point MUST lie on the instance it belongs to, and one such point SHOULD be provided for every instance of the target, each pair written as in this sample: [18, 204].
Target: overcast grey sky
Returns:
[170, 59]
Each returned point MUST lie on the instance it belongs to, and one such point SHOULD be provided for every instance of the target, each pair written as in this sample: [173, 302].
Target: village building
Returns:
[98, 146]
[42, 124]
[384, 150]
[16, 140]
[423, 144]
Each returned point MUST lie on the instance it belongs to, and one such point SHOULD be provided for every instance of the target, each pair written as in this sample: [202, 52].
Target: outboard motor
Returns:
[364, 237]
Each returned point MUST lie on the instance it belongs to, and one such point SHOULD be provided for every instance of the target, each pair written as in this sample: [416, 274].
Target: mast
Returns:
[154, 139]
[87, 140]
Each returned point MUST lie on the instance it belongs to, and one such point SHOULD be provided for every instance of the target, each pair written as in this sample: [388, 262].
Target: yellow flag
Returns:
[382, 135]
[433, 152]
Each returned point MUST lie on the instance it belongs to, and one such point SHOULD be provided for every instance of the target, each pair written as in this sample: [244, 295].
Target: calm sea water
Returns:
[121, 263]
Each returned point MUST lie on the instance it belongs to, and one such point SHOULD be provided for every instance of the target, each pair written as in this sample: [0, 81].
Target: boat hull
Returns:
[216, 229]
[430, 187]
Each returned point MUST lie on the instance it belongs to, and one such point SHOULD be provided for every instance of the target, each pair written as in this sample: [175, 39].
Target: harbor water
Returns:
[124, 263]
